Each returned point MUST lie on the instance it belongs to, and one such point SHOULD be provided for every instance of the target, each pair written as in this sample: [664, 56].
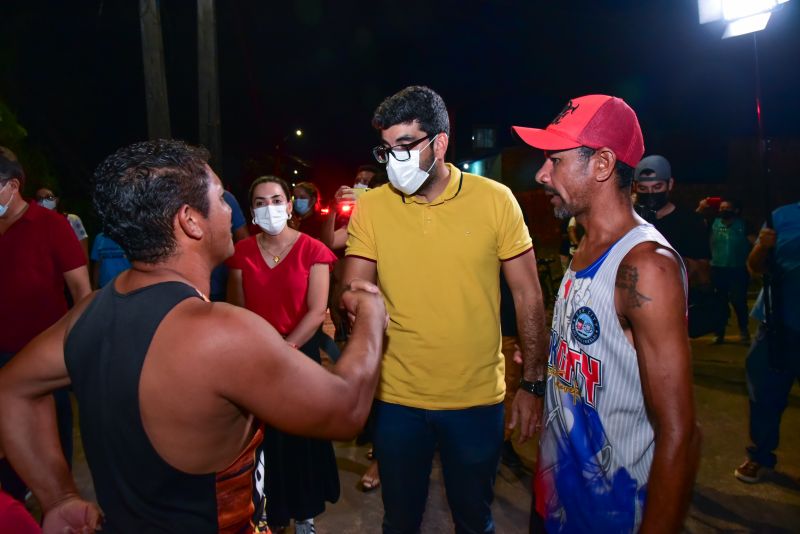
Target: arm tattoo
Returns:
[533, 340]
[627, 278]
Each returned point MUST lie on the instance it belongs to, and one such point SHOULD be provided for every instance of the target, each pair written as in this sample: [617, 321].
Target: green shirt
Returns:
[729, 244]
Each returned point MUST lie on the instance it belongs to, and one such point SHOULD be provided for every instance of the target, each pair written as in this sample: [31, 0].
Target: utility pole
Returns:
[208, 81]
[155, 77]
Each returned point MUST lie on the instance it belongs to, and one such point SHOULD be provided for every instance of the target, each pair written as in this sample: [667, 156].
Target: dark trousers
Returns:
[769, 394]
[10, 482]
[469, 441]
[732, 283]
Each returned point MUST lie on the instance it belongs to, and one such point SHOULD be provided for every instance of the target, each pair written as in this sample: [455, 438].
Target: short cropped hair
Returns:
[623, 171]
[735, 202]
[367, 168]
[414, 103]
[10, 168]
[139, 189]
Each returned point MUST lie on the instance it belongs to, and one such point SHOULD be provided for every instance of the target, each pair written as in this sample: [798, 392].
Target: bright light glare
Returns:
[298, 133]
[738, 9]
[756, 23]
[465, 166]
[709, 10]
[295, 171]
[730, 10]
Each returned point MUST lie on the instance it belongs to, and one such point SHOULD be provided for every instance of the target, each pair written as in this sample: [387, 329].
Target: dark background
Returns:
[71, 73]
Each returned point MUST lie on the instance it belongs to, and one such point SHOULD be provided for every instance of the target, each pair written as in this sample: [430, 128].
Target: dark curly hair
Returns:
[414, 103]
[139, 189]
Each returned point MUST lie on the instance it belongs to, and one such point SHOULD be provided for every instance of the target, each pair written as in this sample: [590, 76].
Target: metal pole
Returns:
[155, 76]
[208, 81]
[770, 279]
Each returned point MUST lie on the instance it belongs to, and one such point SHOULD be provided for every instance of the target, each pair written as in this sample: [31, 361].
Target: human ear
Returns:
[604, 163]
[189, 222]
[440, 146]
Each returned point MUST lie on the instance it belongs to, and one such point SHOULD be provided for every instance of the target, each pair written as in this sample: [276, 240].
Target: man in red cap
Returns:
[620, 446]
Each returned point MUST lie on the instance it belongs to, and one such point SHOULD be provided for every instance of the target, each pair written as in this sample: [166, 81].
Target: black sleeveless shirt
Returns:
[137, 490]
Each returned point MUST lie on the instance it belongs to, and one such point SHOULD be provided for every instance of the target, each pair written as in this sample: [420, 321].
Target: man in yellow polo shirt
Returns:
[435, 240]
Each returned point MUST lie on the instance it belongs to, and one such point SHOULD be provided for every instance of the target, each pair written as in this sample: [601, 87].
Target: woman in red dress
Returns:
[283, 276]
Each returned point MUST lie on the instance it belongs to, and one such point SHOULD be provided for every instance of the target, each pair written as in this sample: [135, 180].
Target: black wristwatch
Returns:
[535, 388]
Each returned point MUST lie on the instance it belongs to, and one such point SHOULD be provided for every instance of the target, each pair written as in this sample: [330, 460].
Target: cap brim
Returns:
[544, 139]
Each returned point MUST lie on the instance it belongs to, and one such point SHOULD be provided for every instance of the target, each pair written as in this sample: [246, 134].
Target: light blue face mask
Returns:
[302, 205]
[4, 208]
[47, 203]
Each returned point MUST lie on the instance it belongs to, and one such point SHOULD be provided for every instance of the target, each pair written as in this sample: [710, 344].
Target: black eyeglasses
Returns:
[400, 152]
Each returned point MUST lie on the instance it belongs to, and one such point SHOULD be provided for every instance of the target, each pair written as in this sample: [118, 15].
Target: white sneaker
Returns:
[305, 527]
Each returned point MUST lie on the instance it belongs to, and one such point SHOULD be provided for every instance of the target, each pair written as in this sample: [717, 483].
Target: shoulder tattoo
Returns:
[627, 280]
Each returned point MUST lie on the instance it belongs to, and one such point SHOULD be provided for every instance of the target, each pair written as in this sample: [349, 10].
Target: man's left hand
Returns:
[526, 412]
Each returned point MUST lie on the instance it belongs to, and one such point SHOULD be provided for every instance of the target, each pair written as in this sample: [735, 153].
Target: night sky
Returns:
[72, 74]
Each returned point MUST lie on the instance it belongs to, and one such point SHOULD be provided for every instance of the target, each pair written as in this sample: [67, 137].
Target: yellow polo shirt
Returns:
[438, 268]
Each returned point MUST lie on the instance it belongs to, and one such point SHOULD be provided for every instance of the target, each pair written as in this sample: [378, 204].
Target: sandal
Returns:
[370, 480]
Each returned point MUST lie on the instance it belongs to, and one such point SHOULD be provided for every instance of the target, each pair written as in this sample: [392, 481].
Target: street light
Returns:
[741, 16]
[280, 151]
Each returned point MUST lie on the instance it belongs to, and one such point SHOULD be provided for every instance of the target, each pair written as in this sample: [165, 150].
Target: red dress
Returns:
[300, 473]
[279, 294]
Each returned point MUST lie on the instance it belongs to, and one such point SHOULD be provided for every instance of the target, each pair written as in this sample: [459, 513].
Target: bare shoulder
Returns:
[649, 272]
[653, 260]
[220, 327]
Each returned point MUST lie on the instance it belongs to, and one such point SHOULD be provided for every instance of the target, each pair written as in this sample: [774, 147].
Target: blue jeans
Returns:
[769, 394]
[469, 443]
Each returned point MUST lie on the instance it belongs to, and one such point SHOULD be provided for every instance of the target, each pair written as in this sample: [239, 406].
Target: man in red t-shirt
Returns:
[41, 254]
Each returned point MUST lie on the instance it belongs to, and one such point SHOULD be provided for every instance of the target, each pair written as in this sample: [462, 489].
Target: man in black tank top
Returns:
[171, 387]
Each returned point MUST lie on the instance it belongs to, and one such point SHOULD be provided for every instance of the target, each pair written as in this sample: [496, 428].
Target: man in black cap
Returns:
[684, 229]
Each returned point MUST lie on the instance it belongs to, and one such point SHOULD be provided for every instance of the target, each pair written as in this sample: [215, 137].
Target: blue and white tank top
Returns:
[597, 445]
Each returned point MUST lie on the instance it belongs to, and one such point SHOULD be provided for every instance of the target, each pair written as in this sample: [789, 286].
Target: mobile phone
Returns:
[714, 202]
[358, 191]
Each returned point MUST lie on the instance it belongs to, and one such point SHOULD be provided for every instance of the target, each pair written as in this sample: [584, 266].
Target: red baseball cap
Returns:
[593, 121]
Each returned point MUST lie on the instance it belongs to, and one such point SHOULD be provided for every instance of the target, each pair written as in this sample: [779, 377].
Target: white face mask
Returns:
[49, 204]
[4, 208]
[361, 186]
[272, 218]
[406, 176]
